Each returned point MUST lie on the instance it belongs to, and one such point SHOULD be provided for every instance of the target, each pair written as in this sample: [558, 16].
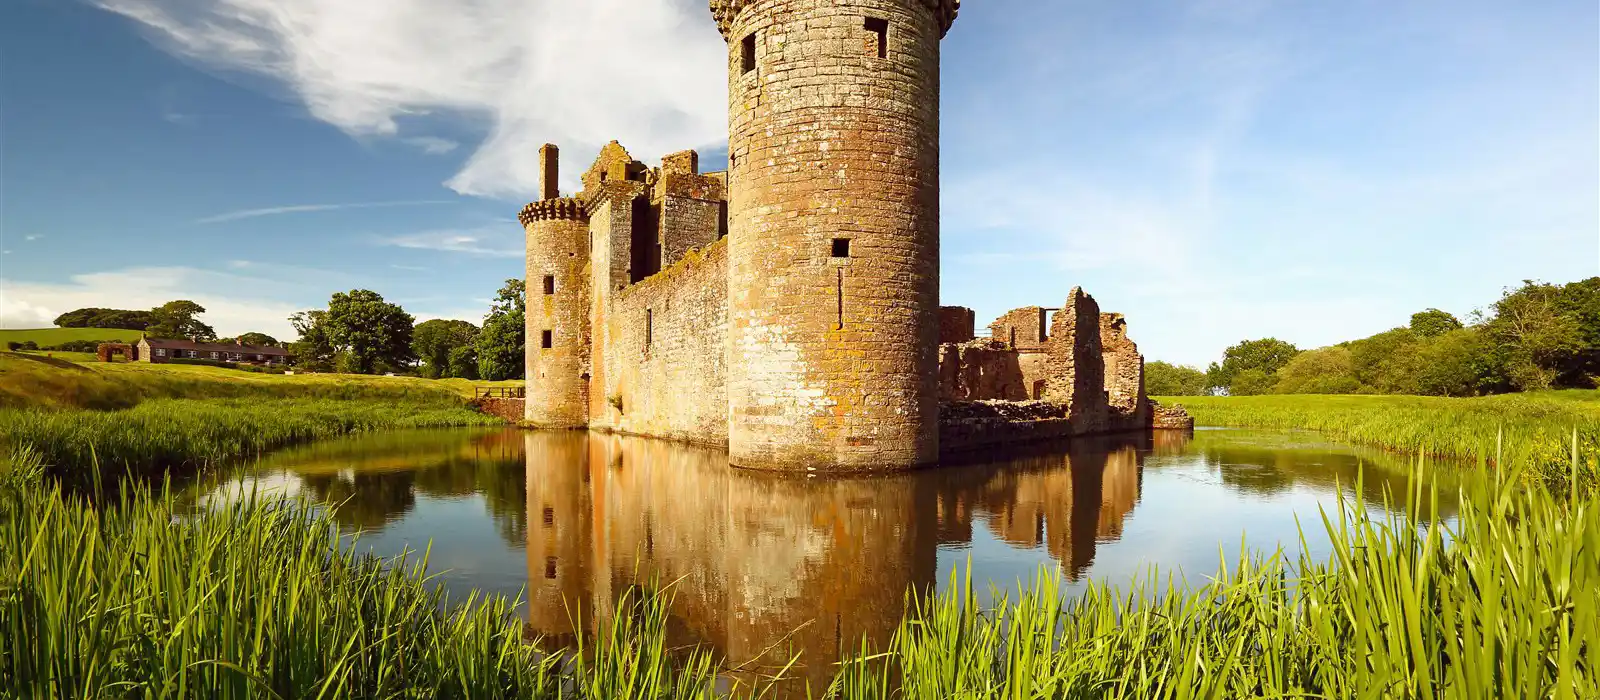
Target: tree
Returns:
[500, 345]
[1459, 363]
[313, 351]
[13, 345]
[1322, 371]
[432, 341]
[254, 338]
[1250, 382]
[176, 319]
[1266, 355]
[1433, 322]
[464, 362]
[95, 317]
[1387, 362]
[1167, 379]
[1538, 332]
[367, 333]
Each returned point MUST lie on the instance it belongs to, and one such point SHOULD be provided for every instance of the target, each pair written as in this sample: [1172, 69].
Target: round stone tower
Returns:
[558, 304]
[833, 213]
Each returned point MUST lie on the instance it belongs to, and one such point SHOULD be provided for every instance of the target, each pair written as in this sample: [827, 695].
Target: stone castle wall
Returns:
[665, 367]
[557, 313]
[833, 120]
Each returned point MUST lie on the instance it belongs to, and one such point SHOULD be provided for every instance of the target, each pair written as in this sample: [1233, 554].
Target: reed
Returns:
[266, 599]
[1534, 430]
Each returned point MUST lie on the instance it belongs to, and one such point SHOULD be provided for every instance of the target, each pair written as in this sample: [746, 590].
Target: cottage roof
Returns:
[216, 347]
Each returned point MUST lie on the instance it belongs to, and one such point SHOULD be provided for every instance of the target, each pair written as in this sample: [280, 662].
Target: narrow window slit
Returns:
[546, 339]
[877, 36]
[549, 284]
[840, 289]
[747, 52]
[649, 327]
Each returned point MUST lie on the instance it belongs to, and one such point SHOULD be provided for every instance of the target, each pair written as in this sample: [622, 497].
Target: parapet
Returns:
[563, 209]
[726, 11]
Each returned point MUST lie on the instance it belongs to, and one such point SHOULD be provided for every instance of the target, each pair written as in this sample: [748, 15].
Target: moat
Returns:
[767, 563]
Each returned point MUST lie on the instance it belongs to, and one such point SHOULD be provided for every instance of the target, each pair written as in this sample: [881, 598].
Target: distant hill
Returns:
[55, 336]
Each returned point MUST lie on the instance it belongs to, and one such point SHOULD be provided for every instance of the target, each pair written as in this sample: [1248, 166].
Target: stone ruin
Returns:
[1042, 374]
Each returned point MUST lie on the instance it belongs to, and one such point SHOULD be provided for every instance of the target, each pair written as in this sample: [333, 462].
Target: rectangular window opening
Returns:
[841, 247]
[549, 284]
[747, 53]
[546, 338]
[877, 36]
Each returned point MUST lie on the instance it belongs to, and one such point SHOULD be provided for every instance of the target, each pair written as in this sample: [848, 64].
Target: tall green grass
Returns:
[183, 435]
[1534, 430]
[262, 599]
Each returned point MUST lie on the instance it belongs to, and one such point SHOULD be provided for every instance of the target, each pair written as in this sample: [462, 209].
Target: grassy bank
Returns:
[1534, 429]
[45, 337]
[33, 380]
[260, 600]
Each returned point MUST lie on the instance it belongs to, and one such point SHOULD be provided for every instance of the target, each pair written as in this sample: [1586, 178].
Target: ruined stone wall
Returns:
[834, 135]
[955, 324]
[687, 223]
[1023, 329]
[980, 369]
[1074, 368]
[1124, 372]
[557, 312]
[663, 368]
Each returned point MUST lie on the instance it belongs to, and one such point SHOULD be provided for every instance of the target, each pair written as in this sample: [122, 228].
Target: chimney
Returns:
[549, 171]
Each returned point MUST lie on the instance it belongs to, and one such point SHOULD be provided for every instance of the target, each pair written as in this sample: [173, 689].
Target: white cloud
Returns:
[492, 241]
[234, 303]
[648, 72]
[433, 145]
[32, 237]
[303, 208]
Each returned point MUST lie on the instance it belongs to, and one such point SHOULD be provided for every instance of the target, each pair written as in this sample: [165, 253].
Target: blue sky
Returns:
[1214, 169]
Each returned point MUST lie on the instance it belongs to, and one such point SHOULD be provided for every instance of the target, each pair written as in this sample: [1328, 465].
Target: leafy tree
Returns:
[254, 338]
[313, 351]
[1266, 355]
[367, 333]
[96, 317]
[500, 345]
[464, 362]
[1250, 382]
[1538, 332]
[1387, 362]
[432, 341]
[1167, 379]
[176, 319]
[1322, 371]
[1433, 322]
[13, 345]
[1459, 363]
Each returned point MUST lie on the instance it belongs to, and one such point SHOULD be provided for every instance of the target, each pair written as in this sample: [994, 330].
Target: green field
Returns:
[1537, 429]
[34, 380]
[55, 336]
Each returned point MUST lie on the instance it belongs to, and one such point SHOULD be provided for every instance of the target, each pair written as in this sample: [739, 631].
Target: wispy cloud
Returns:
[410, 268]
[234, 303]
[489, 241]
[432, 145]
[303, 208]
[32, 237]
[507, 62]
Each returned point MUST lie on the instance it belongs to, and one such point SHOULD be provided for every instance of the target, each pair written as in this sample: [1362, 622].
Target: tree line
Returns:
[357, 333]
[1536, 336]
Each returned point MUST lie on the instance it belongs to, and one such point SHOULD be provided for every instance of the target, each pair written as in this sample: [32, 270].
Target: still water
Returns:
[569, 520]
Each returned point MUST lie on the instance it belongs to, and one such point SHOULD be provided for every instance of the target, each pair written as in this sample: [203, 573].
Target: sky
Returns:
[1214, 169]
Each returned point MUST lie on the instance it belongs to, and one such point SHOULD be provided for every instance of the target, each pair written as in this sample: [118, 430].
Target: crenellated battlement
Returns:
[726, 11]
[563, 209]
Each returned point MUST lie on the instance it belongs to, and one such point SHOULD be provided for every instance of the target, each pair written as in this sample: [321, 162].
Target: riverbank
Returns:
[255, 596]
[95, 423]
[1533, 429]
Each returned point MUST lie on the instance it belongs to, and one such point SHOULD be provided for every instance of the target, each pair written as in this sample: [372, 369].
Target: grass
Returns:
[1533, 429]
[56, 336]
[33, 380]
[187, 435]
[264, 599]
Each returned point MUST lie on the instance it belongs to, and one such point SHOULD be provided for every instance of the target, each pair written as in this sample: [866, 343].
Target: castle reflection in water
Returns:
[765, 565]
[820, 563]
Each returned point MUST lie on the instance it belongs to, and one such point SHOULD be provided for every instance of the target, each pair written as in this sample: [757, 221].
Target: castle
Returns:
[787, 309]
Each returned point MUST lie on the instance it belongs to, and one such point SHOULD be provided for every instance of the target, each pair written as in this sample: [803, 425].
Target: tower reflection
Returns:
[765, 566]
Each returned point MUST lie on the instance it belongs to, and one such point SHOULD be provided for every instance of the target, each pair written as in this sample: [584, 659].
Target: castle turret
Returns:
[833, 278]
[558, 303]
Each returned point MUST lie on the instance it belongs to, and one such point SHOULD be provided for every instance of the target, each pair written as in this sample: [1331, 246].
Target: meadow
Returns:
[1536, 429]
[55, 336]
[264, 598]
